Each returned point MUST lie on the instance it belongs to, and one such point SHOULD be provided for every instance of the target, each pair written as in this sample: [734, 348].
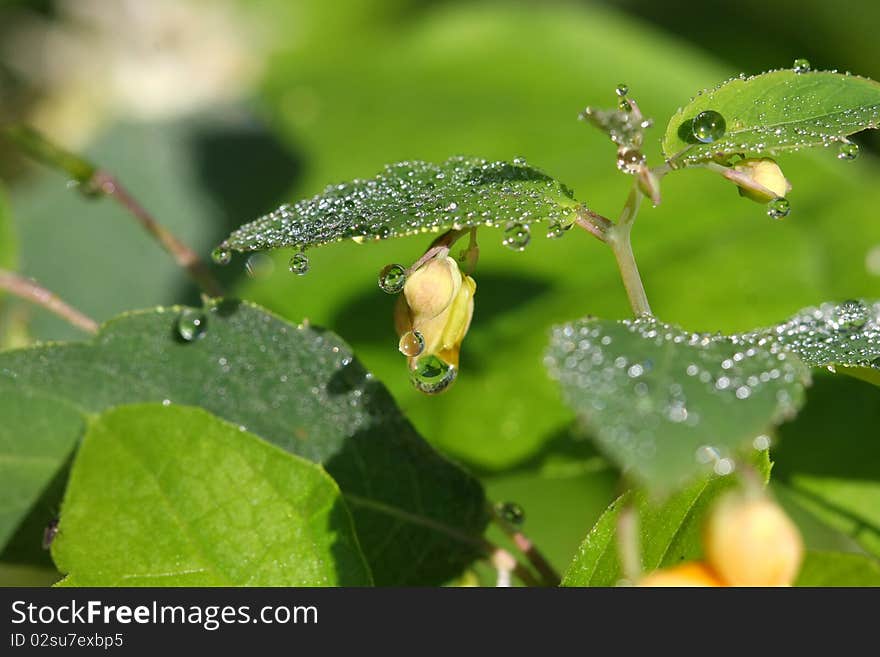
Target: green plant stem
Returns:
[528, 549]
[618, 237]
[30, 290]
[94, 181]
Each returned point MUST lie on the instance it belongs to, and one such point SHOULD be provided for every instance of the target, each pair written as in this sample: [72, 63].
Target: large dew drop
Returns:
[432, 375]
[221, 256]
[847, 151]
[299, 264]
[709, 126]
[801, 66]
[412, 344]
[392, 279]
[778, 208]
[191, 324]
[517, 237]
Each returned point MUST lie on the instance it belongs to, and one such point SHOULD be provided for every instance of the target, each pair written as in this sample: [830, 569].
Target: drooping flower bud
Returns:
[759, 179]
[432, 317]
[750, 541]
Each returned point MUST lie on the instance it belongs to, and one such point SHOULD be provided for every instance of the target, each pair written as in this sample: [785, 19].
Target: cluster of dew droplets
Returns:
[625, 126]
[610, 375]
[412, 198]
[845, 334]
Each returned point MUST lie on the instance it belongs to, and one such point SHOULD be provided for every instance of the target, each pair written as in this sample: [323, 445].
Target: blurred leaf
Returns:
[660, 399]
[409, 198]
[97, 258]
[838, 569]
[827, 458]
[379, 99]
[669, 533]
[298, 387]
[772, 113]
[172, 496]
[37, 433]
[845, 335]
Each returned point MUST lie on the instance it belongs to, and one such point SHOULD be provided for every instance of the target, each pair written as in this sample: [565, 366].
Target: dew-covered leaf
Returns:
[408, 198]
[669, 533]
[298, 387]
[37, 434]
[771, 113]
[844, 335]
[172, 496]
[660, 399]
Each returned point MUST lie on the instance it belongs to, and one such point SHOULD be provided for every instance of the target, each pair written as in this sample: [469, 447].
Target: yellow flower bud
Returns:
[687, 574]
[749, 541]
[760, 179]
[432, 317]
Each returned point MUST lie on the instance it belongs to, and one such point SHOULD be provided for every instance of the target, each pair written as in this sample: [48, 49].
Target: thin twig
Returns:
[595, 224]
[94, 181]
[528, 549]
[618, 237]
[30, 290]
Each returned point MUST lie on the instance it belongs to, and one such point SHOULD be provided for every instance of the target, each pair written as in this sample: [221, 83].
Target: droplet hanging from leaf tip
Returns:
[191, 324]
[847, 151]
[708, 126]
[221, 255]
[517, 237]
[299, 264]
[392, 278]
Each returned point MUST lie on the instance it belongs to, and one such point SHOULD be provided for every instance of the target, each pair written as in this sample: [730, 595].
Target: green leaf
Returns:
[410, 198]
[773, 113]
[37, 434]
[838, 569]
[669, 533]
[660, 399]
[8, 250]
[827, 458]
[419, 517]
[845, 335]
[172, 496]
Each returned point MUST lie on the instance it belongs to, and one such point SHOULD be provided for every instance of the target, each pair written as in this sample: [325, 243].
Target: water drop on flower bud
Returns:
[778, 208]
[516, 237]
[512, 513]
[749, 541]
[847, 151]
[299, 264]
[412, 344]
[708, 126]
[801, 65]
[191, 324]
[392, 279]
[221, 256]
[432, 375]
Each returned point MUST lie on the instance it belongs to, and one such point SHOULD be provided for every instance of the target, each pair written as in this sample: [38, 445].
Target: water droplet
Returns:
[847, 151]
[622, 90]
[761, 442]
[412, 344]
[191, 324]
[432, 375]
[778, 208]
[299, 264]
[511, 512]
[259, 265]
[221, 256]
[708, 126]
[876, 363]
[557, 229]
[624, 105]
[392, 279]
[517, 237]
[801, 65]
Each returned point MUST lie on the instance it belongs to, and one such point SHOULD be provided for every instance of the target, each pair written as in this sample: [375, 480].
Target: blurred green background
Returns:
[214, 112]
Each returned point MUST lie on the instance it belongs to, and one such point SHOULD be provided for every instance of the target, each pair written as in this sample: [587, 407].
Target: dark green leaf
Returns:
[37, 434]
[838, 569]
[659, 399]
[172, 496]
[409, 198]
[775, 112]
[419, 517]
[669, 533]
